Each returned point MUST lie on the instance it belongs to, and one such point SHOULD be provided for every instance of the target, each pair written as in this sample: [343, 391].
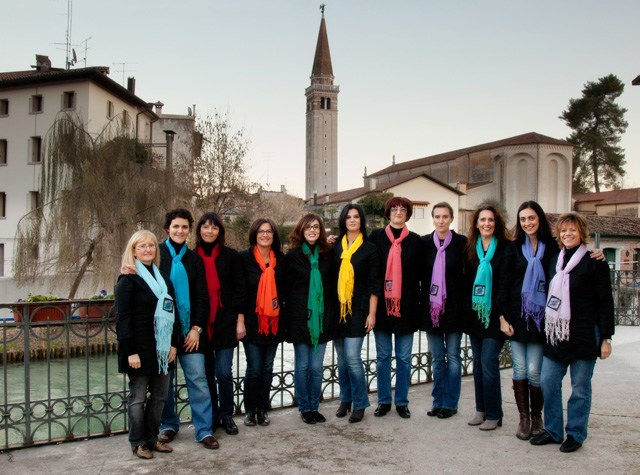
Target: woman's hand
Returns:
[505, 326]
[332, 238]
[128, 270]
[134, 361]
[370, 322]
[173, 351]
[605, 349]
[241, 330]
[192, 341]
[598, 255]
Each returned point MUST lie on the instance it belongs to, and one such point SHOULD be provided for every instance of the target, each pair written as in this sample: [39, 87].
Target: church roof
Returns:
[630, 195]
[322, 59]
[607, 226]
[524, 139]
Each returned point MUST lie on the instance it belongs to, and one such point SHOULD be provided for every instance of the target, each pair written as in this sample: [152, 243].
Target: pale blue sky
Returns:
[416, 77]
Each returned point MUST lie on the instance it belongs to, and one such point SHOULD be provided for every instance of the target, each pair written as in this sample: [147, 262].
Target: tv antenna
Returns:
[124, 69]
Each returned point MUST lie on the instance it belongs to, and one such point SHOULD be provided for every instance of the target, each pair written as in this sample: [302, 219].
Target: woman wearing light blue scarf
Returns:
[147, 337]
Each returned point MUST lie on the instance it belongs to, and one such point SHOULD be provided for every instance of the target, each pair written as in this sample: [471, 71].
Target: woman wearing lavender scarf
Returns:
[443, 296]
[579, 323]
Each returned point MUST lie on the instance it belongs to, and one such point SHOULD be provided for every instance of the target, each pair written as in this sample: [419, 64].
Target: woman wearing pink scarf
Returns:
[398, 314]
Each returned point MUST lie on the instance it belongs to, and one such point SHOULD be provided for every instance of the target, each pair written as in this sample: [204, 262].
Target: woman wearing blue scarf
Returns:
[485, 304]
[147, 339]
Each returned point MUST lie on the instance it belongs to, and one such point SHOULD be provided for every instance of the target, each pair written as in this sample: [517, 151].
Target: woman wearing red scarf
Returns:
[400, 252]
[262, 264]
[225, 285]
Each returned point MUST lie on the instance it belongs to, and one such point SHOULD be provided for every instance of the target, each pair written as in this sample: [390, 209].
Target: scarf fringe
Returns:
[557, 331]
[345, 309]
[436, 311]
[532, 313]
[393, 307]
[484, 312]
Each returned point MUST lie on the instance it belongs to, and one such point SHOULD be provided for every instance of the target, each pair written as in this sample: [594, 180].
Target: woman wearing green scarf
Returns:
[308, 304]
[485, 253]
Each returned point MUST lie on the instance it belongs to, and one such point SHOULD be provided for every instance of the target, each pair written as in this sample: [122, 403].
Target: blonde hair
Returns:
[578, 221]
[128, 256]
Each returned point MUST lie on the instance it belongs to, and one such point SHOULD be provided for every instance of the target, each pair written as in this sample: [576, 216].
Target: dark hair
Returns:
[296, 238]
[253, 233]
[500, 230]
[544, 230]
[398, 201]
[342, 220]
[578, 221]
[442, 204]
[213, 218]
[177, 213]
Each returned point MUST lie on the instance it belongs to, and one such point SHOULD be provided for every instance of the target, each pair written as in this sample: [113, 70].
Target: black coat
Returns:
[252, 274]
[296, 295]
[514, 270]
[591, 308]
[198, 293]
[135, 308]
[367, 282]
[451, 320]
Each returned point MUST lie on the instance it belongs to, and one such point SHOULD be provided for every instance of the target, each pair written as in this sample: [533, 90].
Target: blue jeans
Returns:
[144, 414]
[486, 376]
[195, 376]
[527, 361]
[220, 381]
[579, 404]
[447, 369]
[404, 345]
[351, 375]
[258, 376]
[308, 375]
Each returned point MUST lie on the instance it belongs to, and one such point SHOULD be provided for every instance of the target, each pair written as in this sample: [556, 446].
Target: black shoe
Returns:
[167, 435]
[446, 413]
[344, 409]
[229, 426]
[308, 417]
[382, 410]
[434, 412]
[403, 411]
[250, 419]
[570, 445]
[263, 418]
[319, 417]
[357, 415]
[543, 439]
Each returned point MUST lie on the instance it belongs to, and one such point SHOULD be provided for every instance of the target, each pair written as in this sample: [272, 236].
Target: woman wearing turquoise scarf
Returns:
[485, 305]
[147, 338]
[309, 296]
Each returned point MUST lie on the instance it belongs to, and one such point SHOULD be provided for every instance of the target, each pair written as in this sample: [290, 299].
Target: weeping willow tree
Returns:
[95, 190]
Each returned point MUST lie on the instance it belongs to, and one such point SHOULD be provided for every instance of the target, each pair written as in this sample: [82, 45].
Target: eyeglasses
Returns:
[313, 227]
[142, 247]
[265, 232]
[398, 209]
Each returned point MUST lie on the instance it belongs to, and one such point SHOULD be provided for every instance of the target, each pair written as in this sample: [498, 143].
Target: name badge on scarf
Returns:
[541, 286]
[554, 303]
[479, 290]
[434, 289]
[274, 303]
[167, 305]
[388, 284]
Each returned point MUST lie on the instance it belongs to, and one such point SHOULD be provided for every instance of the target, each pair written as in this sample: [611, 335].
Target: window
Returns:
[35, 104]
[109, 110]
[4, 107]
[3, 204]
[1, 260]
[34, 200]
[68, 100]
[3, 151]
[35, 150]
[125, 118]
[418, 213]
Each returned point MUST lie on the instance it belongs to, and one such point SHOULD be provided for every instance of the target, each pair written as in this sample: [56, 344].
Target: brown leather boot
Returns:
[521, 392]
[537, 426]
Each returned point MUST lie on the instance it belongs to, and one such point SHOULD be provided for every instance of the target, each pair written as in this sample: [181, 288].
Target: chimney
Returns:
[131, 85]
[158, 106]
[283, 189]
[43, 63]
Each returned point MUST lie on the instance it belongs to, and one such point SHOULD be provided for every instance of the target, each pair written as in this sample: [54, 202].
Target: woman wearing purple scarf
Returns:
[443, 296]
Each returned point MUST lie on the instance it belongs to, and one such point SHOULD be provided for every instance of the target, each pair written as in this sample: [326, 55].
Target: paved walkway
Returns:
[388, 445]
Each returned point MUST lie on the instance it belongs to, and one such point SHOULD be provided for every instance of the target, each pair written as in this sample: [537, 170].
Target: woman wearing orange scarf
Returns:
[262, 263]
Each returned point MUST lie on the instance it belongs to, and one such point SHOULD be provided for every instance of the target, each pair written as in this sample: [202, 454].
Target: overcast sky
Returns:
[416, 77]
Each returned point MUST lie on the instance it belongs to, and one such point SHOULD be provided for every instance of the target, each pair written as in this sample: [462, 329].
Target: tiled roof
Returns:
[607, 226]
[630, 195]
[339, 196]
[322, 59]
[524, 139]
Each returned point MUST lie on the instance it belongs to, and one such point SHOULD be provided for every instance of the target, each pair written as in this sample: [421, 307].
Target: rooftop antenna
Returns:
[69, 62]
[86, 48]
[124, 69]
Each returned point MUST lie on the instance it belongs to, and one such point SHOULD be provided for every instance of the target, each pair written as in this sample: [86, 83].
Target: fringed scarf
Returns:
[438, 292]
[346, 277]
[267, 307]
[534, 296]
[393, 274]
[558, 311]
[482, 291]
[213, 285]
[163, 316]
[315, 301]
[180, 281]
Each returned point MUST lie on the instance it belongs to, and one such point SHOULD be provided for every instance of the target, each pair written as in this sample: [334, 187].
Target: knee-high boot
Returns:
[521, 392]
[537, 426]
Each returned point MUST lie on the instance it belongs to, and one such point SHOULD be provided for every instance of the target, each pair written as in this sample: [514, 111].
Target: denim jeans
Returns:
[195, 376]
[403, 347]
[258, 376]
[447, 369]
[220, 381]
[486, 376]
[351, 375]
[308, 375]
[579, 404]
[527, 361]
[144, 414]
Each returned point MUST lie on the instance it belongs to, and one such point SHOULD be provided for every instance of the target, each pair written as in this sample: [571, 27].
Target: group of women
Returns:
[391, 282]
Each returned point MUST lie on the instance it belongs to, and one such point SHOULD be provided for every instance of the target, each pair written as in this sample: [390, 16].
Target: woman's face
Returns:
[570, 235]
[352, 221]
[442, 220]
[179, 230]
[312, 232]
[145, 251]
[209, 232]
[486, 223]
[398, 216]
[264, 237]
[529, 222]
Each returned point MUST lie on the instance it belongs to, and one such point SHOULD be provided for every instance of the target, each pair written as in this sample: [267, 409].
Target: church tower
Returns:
[321, 171]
